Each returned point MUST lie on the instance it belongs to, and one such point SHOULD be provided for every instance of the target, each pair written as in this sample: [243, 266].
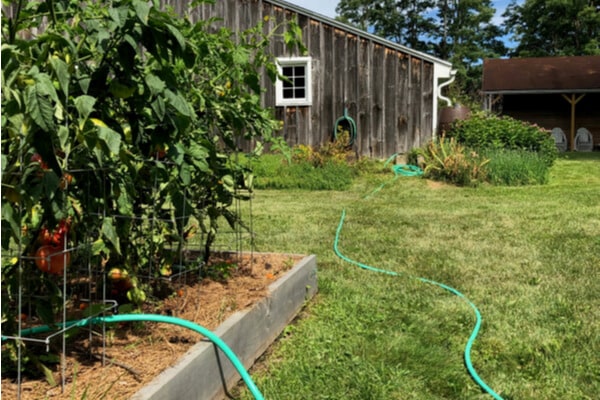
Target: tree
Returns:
[407, 22]
[554, 27]
[465, 36]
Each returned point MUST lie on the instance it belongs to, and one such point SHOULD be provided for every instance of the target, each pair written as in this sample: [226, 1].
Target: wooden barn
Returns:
[390, 90]
[553, 92]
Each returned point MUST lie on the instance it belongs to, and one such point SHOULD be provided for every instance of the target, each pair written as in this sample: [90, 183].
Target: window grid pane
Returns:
[294, 87]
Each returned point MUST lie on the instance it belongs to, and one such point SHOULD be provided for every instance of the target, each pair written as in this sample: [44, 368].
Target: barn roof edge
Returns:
[358, 32]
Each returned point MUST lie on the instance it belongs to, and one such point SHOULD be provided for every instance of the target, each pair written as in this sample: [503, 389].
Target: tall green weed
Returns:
[515, 167]
[331, 166]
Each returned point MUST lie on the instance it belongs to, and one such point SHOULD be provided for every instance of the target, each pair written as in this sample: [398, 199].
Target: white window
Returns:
[295, 90]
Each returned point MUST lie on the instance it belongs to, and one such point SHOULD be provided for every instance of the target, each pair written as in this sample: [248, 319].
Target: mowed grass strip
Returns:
[528, 257]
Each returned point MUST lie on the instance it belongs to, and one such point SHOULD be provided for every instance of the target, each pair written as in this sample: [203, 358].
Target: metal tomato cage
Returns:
[82, 284]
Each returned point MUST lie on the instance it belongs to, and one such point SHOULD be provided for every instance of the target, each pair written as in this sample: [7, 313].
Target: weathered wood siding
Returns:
[388, 93]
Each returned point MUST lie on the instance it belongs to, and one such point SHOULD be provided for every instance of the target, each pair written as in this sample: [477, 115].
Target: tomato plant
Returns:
[52, 259]
[118, 125]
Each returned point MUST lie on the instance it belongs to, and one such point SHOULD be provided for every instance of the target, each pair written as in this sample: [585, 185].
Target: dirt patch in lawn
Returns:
[135, 353]
[436, 184]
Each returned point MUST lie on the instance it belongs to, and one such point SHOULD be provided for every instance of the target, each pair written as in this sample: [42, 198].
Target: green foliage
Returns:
[487, 148]
[515, 167]
[554, 27]
[447, 160]
[483, 130]
[273, 172]
[331, 166]
[220, 271]
[400, 20]
[336, 151]
[120, 118]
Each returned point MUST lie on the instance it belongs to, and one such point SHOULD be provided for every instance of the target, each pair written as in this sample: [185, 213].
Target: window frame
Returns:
[306, 62]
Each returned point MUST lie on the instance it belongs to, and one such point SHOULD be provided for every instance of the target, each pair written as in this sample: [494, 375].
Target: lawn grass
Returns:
[528, 257]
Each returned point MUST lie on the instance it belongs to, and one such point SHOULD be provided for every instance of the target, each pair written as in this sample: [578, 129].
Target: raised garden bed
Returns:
[247, 309]
[204, 372]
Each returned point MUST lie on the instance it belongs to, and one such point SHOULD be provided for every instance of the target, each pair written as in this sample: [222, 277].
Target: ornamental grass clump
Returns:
[447, 160]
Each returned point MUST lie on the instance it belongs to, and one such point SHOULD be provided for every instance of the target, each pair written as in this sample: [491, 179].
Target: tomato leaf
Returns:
[84, 105]
[110, 138]
[142, 10]
[40, 108]
[62, 74]
[110, 233]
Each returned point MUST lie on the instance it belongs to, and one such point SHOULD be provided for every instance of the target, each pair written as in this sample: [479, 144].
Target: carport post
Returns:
[573, 101]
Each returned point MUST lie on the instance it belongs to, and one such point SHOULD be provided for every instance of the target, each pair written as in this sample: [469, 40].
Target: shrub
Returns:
[484, 130]
[447, 160]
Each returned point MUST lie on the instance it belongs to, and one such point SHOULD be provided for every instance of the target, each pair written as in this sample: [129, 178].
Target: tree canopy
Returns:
[554, 27]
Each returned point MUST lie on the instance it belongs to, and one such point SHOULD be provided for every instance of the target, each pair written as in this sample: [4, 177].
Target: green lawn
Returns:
[527, 257]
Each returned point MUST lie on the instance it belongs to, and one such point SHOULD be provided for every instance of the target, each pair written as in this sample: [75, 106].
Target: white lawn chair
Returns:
[584, 140]
[559, 139]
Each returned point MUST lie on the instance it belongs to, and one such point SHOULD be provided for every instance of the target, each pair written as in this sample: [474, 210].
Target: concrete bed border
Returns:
[204, 372]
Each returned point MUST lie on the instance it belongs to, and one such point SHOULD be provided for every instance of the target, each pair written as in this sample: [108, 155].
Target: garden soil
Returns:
[136, 353]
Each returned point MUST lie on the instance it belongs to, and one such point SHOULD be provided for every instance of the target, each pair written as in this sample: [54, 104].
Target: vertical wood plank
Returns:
[315, 45]
[327, 104]
[365, 102]
[377, 109]
[304, 113]
[339, 78]
[391, 93]
[415, 102]
[403, 103]
[350, 80]
[427, 94]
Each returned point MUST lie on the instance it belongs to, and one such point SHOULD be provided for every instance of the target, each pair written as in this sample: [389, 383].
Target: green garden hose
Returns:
[403, 169]
[159, 318]
[399, 169]
[351, 127]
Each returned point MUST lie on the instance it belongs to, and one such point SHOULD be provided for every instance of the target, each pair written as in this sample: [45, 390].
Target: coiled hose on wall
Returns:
[345, 122]
[402, 169]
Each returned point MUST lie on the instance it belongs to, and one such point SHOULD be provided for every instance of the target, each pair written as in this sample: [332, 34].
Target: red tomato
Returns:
[51, 259]
[60, 232]
[45, 237]
[65, 181]
[38, 159]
